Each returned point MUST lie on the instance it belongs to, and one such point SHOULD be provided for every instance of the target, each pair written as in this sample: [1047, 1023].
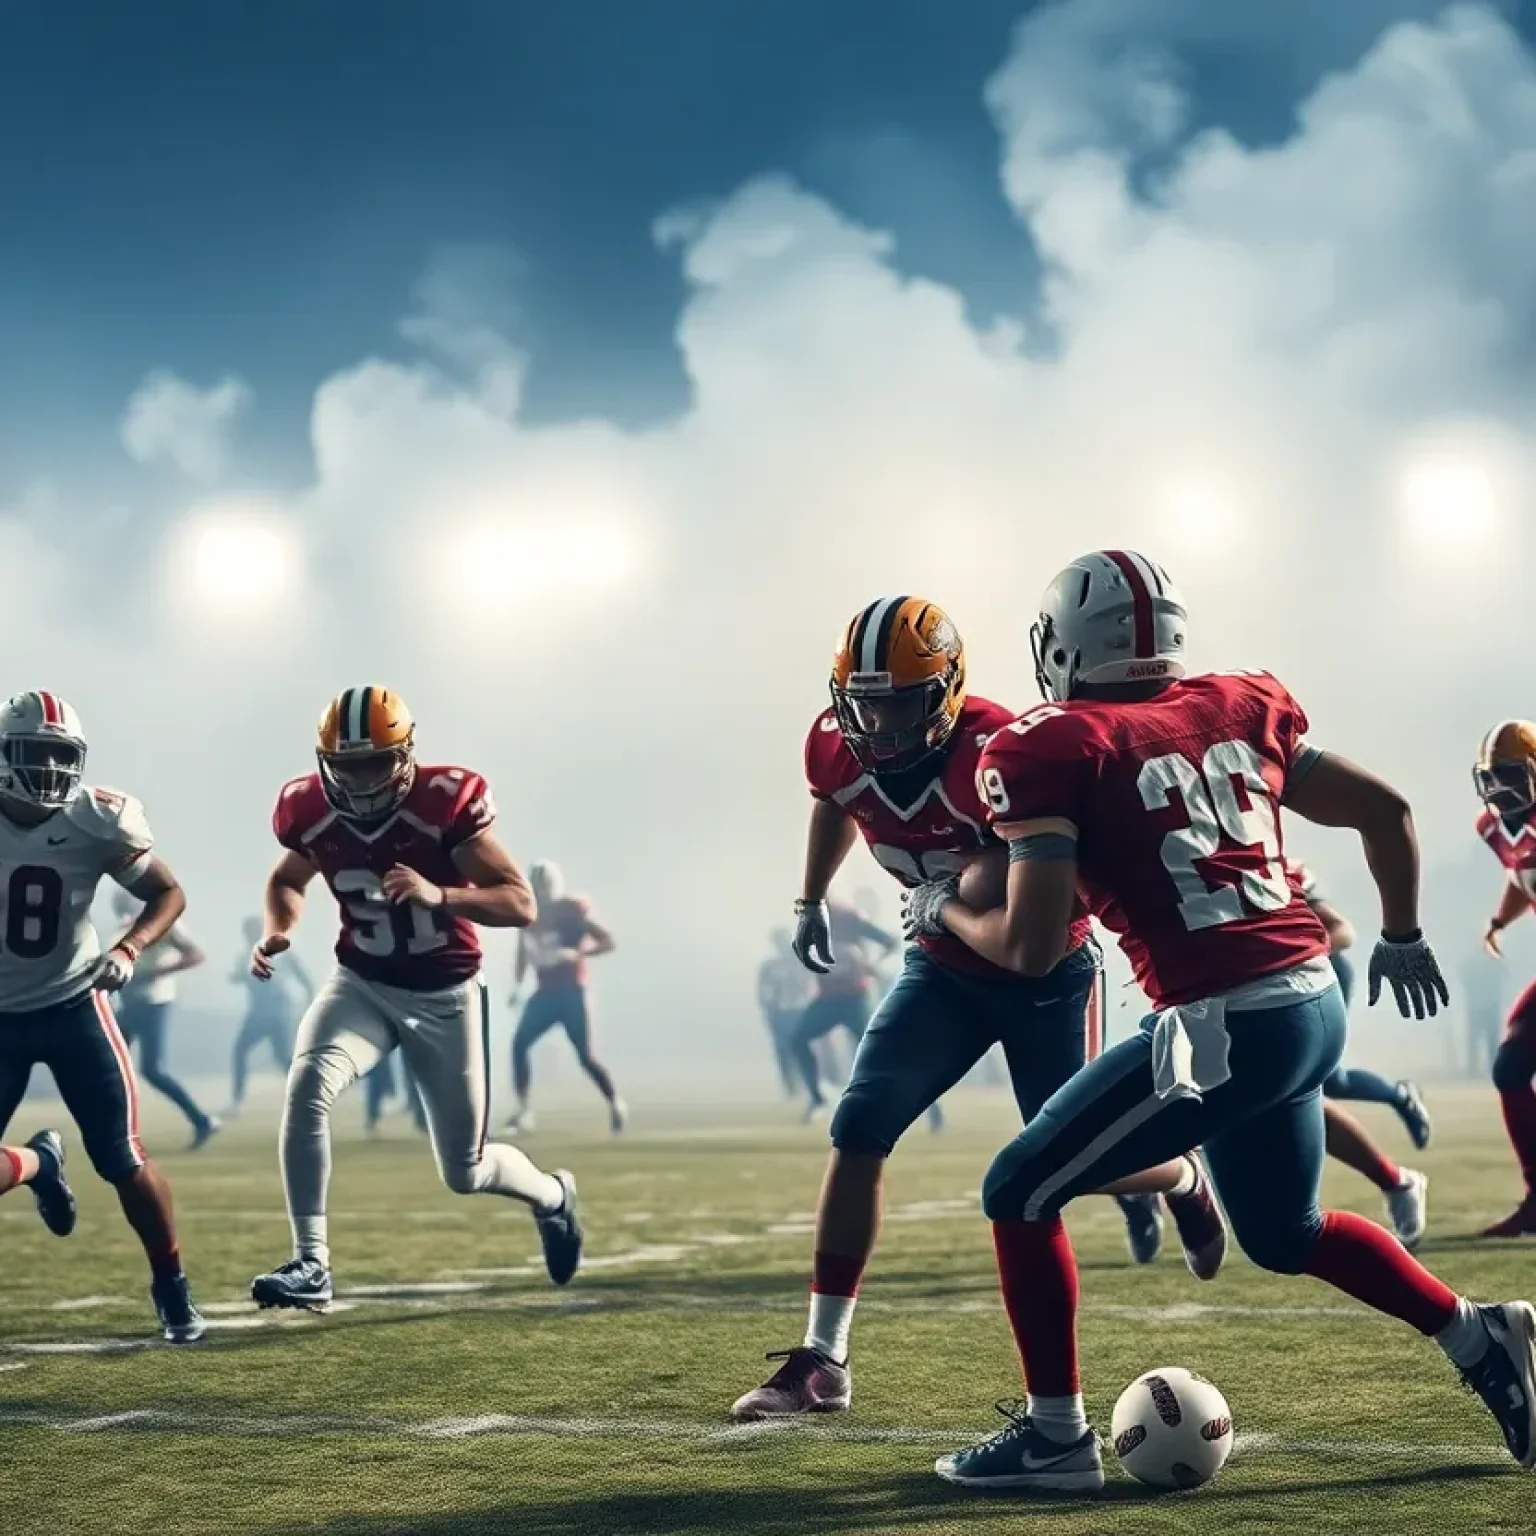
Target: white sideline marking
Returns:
[87, 1303]
[553, 1426]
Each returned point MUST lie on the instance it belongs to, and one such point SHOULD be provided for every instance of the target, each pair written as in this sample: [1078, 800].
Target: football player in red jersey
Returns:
[408, 853]
[1156, 799]
[1506, 781]
[894, 759]
[556, 947]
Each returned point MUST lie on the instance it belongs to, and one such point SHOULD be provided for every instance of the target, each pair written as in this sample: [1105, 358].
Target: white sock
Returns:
[1188, 1179]
[309, 1239]
[1059, 1418]
[1464, 1338]
[831, 1322]
[503, 1170]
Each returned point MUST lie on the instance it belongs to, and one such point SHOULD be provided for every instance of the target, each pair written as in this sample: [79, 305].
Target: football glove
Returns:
[115, 971]
[922, 907]
[812, 942]
[1409, 967]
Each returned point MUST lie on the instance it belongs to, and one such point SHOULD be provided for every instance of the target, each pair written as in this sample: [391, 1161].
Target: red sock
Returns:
[1384, 1173]
[14, 1159]
[835, 1274]
[1365, 1261]
[1038, 1274]
[1519, 1106]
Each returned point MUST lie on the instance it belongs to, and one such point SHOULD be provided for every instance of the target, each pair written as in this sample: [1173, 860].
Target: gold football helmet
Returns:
[1505, 771]
[366, 752]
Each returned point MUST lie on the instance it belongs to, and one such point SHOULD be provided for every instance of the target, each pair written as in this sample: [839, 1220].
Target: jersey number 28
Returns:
[1214, 813]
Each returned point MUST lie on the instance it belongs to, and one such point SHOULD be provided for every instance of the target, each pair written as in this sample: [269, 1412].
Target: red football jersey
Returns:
[1514, 848]
[1176, 804]
[941, 828]
[399, 945]
[562, 925]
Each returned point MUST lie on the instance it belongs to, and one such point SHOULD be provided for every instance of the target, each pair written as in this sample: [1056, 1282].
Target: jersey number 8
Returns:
[34, 906]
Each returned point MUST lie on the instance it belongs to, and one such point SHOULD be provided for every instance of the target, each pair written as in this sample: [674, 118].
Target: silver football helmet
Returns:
[547, 880]
[42, 751]
[1110, 617]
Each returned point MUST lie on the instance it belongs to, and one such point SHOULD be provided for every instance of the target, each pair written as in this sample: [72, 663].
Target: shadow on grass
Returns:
[885, 1504]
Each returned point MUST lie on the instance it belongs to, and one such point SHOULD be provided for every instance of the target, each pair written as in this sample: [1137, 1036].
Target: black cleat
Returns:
[303, 1284]
[1414, 1114]
[1505, 1378]
[560, 1233]
[55, 1199]
[180, 1321]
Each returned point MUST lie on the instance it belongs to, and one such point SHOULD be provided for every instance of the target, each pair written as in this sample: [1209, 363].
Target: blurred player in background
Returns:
[1482, 1007]
[783, 990]
[144, 1014]
[408, 852]
[1505, 775]
[272, 1008]
[556, 947]
[1406, 1190]
[58, 838]
[1157, 800]
[894, 760]
[845, 995]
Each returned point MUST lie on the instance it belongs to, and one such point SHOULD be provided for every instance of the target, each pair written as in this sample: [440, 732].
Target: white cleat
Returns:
[519, 1123]
[618, 1117]
[1408, 1206]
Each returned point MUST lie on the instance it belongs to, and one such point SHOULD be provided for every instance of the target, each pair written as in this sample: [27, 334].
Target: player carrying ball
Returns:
[1158, 799]
[408, 853]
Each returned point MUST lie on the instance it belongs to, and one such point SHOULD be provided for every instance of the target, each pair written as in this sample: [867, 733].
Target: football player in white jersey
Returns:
[57, 839]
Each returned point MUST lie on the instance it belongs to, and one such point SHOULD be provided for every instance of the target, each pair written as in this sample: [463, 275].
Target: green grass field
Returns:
[451, 1391]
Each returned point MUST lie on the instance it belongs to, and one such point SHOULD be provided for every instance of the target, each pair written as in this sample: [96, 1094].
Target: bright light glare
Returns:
[1450, 504]
[239, 561]
[1198, 517]
[494, 561]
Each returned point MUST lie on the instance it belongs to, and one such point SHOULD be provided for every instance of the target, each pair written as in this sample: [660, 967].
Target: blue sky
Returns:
[255, 188]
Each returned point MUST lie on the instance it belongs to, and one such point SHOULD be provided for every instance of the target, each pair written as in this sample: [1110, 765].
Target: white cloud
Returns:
[1249, 346]
[169, 421]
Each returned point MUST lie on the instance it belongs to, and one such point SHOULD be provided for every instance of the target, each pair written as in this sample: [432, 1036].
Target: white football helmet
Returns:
[1110, 617]
[42, 750]
[547, 880]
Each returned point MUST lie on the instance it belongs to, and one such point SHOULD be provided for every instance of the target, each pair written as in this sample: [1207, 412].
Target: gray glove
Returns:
[922, 907]
[812, 942]
[1409, 966]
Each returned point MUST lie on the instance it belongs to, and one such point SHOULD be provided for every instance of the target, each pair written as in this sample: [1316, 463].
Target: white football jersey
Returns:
[49, 948]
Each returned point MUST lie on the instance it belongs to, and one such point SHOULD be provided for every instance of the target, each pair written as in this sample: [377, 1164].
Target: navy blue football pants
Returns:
[145, 1025]
[936, 1023]
[80, 1044]
[1261, 1131]
[1356, 1083]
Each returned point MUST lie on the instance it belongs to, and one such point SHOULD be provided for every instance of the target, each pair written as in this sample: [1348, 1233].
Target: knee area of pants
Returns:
[1003, 1194]
[462, 1178]
[1281, 1252]
[1513, 1067]
[859, 1128]
[116, 1165]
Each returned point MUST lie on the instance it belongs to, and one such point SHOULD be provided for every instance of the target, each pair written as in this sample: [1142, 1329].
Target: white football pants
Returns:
[347, 1030]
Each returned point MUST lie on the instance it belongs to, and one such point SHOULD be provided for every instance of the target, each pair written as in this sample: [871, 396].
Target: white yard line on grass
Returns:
[553, 1426]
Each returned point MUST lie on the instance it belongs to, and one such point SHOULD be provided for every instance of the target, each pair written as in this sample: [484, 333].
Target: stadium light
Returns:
[1450, 503]
[238, 559]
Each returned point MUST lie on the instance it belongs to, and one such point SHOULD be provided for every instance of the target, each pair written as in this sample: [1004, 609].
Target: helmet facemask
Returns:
[1507, 789]
[367, 784]
[1050, 679]
[890, 730]
[44, 770]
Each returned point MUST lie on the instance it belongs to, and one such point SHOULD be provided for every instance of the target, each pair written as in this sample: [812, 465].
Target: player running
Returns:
[894, 759]
[58, 838]
[556, 947]
[271, 1006]
[783, 990]
[1405, 1190]
[1506, 782]
[408, 853]
[1158, 800]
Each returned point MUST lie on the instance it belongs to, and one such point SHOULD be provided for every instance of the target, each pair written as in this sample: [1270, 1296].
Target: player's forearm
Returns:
[828, 842]
[282, 906]
[1513, 904]
[1392, 856]
[1029, 951]
[492, 906]
[158, 916]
